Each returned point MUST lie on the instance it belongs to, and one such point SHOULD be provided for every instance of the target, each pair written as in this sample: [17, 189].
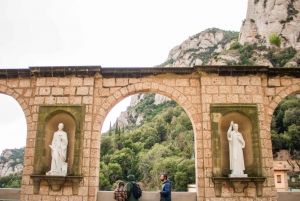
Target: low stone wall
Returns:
[288, 195]
[10, 193]
[150, 196]
[14, 194]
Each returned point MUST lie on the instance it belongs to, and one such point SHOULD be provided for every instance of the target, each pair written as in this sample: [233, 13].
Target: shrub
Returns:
[275, 39]
[235, 45]
[281, 58]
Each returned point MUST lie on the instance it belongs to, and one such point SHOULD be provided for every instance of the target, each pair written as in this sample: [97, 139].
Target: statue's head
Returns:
[235, 127]
[60, 126]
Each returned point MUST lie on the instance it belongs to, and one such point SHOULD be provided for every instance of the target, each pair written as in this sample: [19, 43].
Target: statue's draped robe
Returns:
[236, 157]
[58, 151]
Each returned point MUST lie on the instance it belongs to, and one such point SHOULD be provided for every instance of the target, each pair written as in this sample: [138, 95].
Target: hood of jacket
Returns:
[131, 177]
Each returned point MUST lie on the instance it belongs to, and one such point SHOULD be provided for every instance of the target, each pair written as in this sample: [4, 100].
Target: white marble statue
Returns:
[59, 152]
[236, 145]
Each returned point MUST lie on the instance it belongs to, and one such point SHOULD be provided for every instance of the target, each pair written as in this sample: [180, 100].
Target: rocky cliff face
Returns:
[266, 17]
[130, 116]
[198, 49]
[10, 162]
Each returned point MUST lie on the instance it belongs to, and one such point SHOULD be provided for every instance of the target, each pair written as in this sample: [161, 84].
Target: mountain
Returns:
[11, 166]
[270, 36]
[11, 161]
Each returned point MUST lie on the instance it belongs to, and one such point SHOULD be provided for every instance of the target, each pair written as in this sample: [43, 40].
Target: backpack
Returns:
[136, 190]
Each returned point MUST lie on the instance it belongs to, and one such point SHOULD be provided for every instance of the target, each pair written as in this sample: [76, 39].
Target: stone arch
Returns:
[168, 91]
[23, 104]
[278, 98]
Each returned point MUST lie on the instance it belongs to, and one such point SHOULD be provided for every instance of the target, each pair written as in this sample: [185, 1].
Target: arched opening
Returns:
[13, 142]
[285, 136]
[154, 136]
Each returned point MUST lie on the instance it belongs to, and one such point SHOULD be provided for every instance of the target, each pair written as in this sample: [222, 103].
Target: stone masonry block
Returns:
[51, 81]
[205, 81]
[50, 100]
[76, 81]
[182, 82]
[218, 81]
[25, 83]
[251, 90]
[243, 80]
[238, 89]
[121, 82]
[44, 91]
[195, 82]
[225, 89]
[274, 82]
[88, 81]
[231, 81]
[57, 91]
[255, 81]
[109, 82]
[70, 91]
[212, 89]
[62, 100]
[41, 81]
[82, 91]
[219, 98]
[286, 81]
[65, 81]
[169, 82]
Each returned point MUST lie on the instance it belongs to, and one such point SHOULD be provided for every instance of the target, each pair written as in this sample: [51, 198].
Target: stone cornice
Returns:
[84, 71]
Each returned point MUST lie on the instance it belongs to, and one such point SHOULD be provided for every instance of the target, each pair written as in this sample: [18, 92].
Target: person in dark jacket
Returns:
[120, 193]
[129, 187]
[165, 191]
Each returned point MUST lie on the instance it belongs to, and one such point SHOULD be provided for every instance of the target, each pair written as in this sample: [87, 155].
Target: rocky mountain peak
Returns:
[267, 17]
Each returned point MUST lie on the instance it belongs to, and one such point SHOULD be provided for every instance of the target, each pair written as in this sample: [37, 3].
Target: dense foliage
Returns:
[11, 181]
[163, 143]
[285, 127]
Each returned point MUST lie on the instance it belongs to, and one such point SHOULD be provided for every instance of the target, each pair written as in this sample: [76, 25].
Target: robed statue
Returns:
[236, 145]
[59, 152]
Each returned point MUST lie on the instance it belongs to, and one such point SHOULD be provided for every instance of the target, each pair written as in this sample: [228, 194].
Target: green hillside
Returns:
[163, 143]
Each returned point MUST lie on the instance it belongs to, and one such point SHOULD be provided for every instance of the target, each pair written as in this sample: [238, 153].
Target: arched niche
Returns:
[69, 127]
[245, 128]
[72, 116]
[246, 116]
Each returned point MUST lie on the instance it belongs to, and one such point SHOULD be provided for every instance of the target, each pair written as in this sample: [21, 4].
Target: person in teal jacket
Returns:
[129, 187]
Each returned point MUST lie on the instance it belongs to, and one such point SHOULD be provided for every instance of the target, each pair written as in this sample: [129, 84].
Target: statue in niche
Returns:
[236, 145]
[59, 152]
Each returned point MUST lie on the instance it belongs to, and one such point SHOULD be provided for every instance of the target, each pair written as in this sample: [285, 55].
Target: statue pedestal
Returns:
[56, 182]
[238, 175]
[239, 184]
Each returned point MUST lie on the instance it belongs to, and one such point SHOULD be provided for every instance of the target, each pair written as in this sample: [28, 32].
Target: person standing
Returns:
[129, 187]
[120, 193]
[165, 192]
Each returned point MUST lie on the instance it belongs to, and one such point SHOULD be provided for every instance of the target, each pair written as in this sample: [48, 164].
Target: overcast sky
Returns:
[114, 33]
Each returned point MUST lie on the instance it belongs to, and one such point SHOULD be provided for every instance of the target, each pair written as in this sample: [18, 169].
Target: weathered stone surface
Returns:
[267, 17]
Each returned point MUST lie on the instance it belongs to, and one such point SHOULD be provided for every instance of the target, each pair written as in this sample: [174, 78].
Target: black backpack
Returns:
[136, 190]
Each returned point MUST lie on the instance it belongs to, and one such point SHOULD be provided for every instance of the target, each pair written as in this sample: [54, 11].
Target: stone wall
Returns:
[194, 89]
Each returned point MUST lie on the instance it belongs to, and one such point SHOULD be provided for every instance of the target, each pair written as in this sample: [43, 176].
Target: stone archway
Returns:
[180, 97]
[195, 89]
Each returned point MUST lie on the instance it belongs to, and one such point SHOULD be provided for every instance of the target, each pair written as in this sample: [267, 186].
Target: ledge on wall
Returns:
[239, 184]
[56, 182]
